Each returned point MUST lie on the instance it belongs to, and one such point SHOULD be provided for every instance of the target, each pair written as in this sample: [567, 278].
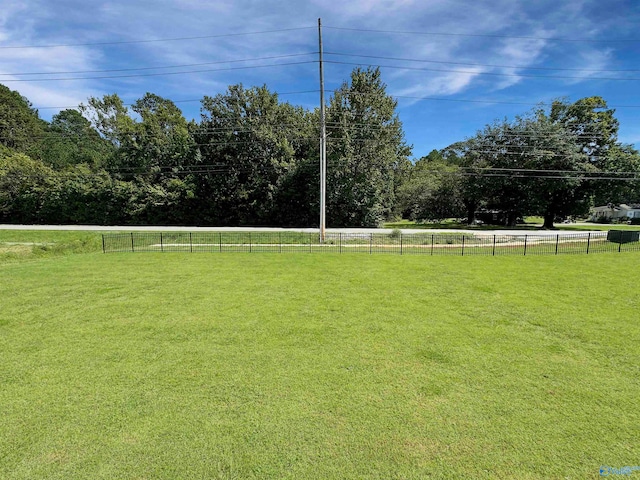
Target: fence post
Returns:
[249, 242]
[432, 244]
[340, 241]
[161, 243]
[463, 244]
[132, 249]
[370, 242]
[190, 243]
[493, 253]
[588, 242]
[525, 245]
[279, 242]
[620, 244]
[220, 240]
[103, 249]
[400, 243]
[311, 242]
[557, 240]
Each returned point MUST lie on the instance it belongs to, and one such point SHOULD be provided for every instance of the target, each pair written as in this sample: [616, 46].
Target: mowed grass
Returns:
[21, 245]
[303, 366]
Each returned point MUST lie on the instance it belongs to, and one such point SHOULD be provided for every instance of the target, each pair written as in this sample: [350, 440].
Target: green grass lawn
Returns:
[303, 366]
[21, 245]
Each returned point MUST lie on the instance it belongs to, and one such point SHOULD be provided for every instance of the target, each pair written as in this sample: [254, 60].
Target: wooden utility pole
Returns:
[323, 143]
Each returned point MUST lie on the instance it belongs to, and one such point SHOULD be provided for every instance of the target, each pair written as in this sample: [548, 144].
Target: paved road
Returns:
[407, 231]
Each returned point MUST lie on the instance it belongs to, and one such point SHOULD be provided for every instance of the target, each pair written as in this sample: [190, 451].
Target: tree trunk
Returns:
[548, 221]
[471, 211]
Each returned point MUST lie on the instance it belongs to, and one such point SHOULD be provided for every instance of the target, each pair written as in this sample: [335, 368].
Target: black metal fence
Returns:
[370, 243]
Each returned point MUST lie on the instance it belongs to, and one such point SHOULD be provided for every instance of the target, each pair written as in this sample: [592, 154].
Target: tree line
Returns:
[551, 162]
[251, 159]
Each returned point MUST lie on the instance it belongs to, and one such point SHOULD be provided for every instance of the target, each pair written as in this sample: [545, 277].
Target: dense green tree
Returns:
[249, 144]
[20, 127]
[23, 183]
[472, 185]
[592, 124]
[366, 151]
[431, 190]
[620, 181]
[161, 141]
[596, 131]
[71, 140]
[532, 165]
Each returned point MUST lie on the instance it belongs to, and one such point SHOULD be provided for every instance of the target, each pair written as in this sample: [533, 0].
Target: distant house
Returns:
[616, 212]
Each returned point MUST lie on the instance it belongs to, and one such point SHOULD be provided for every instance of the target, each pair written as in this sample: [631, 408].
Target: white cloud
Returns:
[442, 84]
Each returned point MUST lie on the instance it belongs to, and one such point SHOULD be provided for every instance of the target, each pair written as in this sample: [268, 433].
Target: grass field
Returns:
[317, 366]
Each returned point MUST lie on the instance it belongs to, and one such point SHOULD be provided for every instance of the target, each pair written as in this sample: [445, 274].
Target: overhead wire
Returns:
[227, 169]
[272, 57]
[192, 100]
[156, 40]
[522, 67]
[496, 74]
[208, 70]
[482, 35]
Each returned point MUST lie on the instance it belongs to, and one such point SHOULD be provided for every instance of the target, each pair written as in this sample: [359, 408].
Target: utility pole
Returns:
[323, 143]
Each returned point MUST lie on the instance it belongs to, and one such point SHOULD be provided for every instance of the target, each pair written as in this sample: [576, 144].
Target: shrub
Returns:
[395, 233]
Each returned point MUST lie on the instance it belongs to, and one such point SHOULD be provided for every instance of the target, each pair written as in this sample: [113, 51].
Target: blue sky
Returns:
[472, 62]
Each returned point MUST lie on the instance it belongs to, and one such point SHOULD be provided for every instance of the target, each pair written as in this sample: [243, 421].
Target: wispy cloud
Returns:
[440, 84]
[29, 22]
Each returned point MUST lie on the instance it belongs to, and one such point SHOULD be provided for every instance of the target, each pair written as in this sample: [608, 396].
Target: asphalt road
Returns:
[405, 231]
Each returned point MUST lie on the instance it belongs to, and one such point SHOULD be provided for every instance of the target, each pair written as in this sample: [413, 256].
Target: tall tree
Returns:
[20, 127]
[596, 131]
[249, 143]
[472, 186]
[72, 140]
[531, 165]
[431, 190]
[161, 141]
[366, 149]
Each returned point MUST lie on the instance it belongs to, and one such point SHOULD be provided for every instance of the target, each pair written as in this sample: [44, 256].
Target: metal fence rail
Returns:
[370, 243]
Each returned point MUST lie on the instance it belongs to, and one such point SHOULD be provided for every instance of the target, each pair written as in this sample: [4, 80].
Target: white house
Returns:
[622, 211]
[630, 211]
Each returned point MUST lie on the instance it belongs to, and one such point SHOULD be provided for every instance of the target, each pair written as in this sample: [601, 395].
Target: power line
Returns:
[192, 100]
[523, 67]
[541, 170]
[496, 74]
[409, 97]
[155, 40]
[228, 169]
[160, 74]
[556, 177]
[363, 126]
[489, 101]
[161, 67]
[482, 35]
